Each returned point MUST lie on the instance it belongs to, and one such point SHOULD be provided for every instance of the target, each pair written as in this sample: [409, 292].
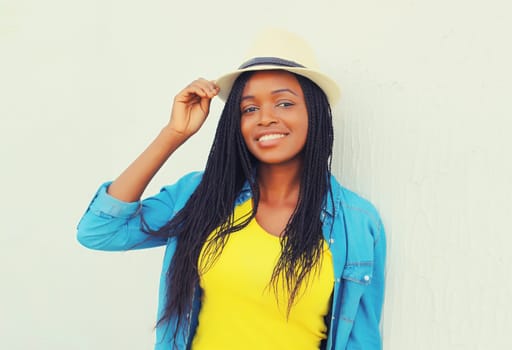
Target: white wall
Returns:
[422, 131]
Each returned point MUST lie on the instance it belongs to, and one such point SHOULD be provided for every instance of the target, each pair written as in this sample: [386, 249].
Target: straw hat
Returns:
[280, 49]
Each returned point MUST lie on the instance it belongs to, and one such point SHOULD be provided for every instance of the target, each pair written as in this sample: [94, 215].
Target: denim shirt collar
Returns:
[245, 193]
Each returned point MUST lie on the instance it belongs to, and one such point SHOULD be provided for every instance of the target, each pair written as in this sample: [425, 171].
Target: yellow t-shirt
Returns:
[239, 307]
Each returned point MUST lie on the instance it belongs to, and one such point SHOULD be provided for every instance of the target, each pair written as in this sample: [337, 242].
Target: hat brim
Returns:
[329, 86]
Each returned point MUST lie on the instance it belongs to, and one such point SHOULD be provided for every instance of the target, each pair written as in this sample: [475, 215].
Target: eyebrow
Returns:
[247, 97]
[284, 90]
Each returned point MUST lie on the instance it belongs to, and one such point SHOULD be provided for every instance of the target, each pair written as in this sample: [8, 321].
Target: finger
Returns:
[205, 105]
[190, 93]
[209, 86]
[194, 100]
[200, 89]
[214, 88]
[214, 85]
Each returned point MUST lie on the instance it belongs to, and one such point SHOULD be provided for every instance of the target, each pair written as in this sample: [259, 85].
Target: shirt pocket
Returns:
[356, 277]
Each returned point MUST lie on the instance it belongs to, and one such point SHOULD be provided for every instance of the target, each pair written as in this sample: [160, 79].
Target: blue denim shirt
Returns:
[352, 229]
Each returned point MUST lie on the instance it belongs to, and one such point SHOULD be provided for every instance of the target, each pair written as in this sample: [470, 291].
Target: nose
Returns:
[267, 116]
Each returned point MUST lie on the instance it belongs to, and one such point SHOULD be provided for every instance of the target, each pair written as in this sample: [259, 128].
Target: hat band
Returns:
[258, 61]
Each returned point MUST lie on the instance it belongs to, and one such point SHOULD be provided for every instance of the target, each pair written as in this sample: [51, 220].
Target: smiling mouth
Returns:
[270, 137]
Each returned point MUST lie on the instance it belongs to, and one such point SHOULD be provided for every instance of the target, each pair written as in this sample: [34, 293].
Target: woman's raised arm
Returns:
[190, 109]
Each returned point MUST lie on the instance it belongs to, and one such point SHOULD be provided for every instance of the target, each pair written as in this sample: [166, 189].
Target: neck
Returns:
[279, 184]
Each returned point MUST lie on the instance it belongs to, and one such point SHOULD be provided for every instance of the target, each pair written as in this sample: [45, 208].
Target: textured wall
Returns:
[422, 131]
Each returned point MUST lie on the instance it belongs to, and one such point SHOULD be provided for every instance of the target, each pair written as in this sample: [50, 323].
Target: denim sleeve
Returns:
[366, 333]
[113, 225]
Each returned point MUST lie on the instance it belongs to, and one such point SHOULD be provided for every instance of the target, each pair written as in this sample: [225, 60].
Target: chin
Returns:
[278, 160]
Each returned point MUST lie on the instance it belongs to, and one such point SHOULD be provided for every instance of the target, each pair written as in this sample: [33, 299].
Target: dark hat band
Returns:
[276, 61]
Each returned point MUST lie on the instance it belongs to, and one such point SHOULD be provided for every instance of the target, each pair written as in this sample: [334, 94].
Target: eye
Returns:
[249, 109]
[285, 104]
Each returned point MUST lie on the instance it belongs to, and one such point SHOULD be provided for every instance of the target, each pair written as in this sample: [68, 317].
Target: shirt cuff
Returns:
[104, 204]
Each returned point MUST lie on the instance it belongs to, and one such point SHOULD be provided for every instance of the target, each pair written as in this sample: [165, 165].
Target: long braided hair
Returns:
[210, 207]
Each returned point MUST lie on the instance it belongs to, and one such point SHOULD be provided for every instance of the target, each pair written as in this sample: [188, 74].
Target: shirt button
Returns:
[338, 280]
[366, 278]
[331, 240]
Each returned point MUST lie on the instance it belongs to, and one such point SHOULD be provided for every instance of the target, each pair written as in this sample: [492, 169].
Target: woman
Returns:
[264, 249]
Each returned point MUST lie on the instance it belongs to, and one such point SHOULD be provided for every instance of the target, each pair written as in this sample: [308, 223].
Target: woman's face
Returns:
[274, 120]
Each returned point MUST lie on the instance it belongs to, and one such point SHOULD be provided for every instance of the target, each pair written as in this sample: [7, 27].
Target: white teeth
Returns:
[270, 137]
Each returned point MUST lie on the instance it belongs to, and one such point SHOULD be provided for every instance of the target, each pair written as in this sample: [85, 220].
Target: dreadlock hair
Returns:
[210, 207]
